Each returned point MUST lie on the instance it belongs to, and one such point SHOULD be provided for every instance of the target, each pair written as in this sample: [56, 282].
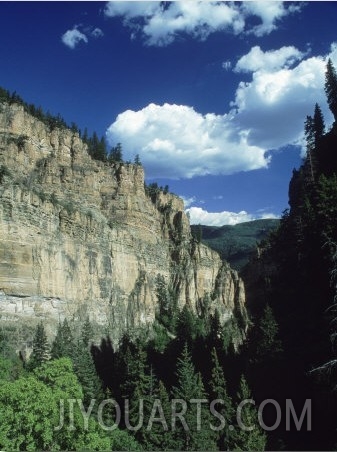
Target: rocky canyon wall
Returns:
[80, 237]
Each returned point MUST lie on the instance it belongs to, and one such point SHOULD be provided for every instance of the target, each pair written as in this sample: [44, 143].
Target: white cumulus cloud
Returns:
[275, 103]
[160, 23]
[71, 38]
[198, 215]
[174, 141]
[267, 113]
[270, 60]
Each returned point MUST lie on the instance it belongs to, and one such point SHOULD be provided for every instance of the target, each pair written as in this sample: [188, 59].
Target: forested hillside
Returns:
[296, 277]
[236, 244]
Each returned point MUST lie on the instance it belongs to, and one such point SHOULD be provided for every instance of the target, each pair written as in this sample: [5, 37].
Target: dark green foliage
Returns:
[153, 190]
[167, 301]
[137, 160]
[160, 436]
[268, 345]
[116, 154]
[294, 279]
[84, 365]
[327, 205]
[331, 87]
[319, 125]
[218, 386]
[86, 373]
[197, 232]
[248, 440]
[189, 326]
[64, 343]
[87, 332]
[41, 350]
[236, 243]
[97, 148]
[190, 387]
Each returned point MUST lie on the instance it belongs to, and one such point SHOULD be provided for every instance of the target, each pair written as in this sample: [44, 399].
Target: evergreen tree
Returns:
[309, 130]
[137, 160]
[85, 135]
[41, 350]
[116, 153]
[218, 388]
[319, 126]
[249, 435]
[84, 365]
[63, 344]
[139, 391]
[196, 434]
[87, 332]
[85, 370]
[167, 301]
[159, 423]
[186, 326]
[269, 345]
[331, 87]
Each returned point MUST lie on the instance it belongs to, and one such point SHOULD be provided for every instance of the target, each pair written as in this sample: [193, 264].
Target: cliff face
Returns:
[81, 237]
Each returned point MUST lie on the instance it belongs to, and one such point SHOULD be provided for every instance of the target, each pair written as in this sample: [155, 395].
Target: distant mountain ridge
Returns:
[235, 243]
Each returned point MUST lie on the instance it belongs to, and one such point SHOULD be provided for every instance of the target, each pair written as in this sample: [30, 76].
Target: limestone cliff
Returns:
[78, 236]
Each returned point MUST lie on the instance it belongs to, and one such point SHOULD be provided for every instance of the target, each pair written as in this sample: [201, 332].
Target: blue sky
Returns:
[211, 95]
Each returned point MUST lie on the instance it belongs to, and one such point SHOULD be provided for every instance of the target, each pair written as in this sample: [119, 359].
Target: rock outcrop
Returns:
[79, 237]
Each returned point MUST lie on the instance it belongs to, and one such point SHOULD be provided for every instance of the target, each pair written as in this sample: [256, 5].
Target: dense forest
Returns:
[191, 383]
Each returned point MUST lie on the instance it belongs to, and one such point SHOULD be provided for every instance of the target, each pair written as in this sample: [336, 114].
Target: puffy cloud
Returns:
[269, 13]
[174, 141]
[271, 60]
[160, 23]
[274, 104]
[200, 216]
[268, 112]
[72, 38]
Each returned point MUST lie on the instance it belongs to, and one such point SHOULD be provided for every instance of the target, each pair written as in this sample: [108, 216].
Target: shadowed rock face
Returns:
[79, 237]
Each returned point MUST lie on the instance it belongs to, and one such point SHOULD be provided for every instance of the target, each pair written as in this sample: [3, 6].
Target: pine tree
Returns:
[116, 153]
[87, 332]
[139, 391]
[84, 365]
[218, 387]
[192, 436]
[63, 344]
[40, 352]
[331, 87]
[186, 326]
[159, 423]
[309, 130]
[137, 160]
[85, 370]
[268, 344]
[249, 435]
[319, 126]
